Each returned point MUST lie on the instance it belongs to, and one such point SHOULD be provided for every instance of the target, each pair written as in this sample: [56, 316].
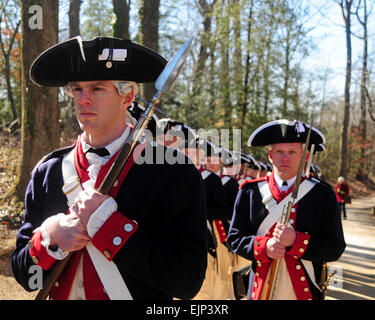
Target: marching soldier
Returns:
[314, 233]
[170, 133]
[136, 242]
[229, 161]
[216, 209]
[248, 164]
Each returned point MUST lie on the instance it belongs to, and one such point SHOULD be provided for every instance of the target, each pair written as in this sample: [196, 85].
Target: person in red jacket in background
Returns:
[342, 194]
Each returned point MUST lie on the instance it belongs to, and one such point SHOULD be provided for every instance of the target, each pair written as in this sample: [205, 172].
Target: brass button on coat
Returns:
[107, 253]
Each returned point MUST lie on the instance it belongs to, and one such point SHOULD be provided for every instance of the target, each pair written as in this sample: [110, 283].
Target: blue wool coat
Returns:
[166, 256]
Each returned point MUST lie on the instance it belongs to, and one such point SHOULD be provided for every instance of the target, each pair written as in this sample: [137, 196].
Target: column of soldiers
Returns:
[212, 213]
[223, 172]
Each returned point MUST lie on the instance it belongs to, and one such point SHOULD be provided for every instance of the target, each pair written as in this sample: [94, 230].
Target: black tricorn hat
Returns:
[317, 147]
[228, 158]
[284, 131]
[189, 138]
[249, 160]
[209, 148]
[102, 58]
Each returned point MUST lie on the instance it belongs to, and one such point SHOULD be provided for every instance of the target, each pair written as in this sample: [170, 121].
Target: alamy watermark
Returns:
[36, 18]
[36, 278]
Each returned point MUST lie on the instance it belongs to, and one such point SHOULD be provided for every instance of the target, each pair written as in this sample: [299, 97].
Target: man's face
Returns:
[98, 106]
[286, 158]
[195, 155]
[213, 163]
[250, 172]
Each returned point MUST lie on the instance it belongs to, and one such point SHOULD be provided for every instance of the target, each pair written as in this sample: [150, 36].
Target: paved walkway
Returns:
[355, 278]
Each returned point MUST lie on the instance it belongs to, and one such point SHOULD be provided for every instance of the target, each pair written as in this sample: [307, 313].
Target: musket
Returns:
[163, 84]
[325, 278]
[285, 217]
[308, 165]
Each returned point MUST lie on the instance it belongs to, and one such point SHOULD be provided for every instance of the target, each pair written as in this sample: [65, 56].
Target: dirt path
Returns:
[356, 267]
[356, 278]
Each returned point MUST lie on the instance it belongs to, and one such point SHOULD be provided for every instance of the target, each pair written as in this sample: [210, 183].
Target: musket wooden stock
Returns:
[273, 272]
[57, 269]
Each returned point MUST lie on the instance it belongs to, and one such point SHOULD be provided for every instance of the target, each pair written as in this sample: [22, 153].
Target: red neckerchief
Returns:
[82, 165]
[201, 168]
[275, 190]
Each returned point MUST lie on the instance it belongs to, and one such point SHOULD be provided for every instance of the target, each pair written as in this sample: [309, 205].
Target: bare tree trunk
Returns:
[225, 90]
[71, 124]
[74, 9]
[246, 86]
[237, 58]
[363, 130]
[284, 108]
[149, 17]
[205, 10]
[40, 109]
[121, 9]
[6, 52]
[346, 12]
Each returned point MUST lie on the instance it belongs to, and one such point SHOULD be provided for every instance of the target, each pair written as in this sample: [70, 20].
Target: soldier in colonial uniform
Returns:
[248, 165]
[314, 233]
[171, 133]
[147, 239]
[199, 149]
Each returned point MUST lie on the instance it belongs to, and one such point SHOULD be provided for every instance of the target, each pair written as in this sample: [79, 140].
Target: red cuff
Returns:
[113, 234]
[260, 252]
[300, 245]
[39, 253]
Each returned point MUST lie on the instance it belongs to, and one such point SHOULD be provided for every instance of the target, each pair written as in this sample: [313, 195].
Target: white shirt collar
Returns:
[113, 147]
[280, 181]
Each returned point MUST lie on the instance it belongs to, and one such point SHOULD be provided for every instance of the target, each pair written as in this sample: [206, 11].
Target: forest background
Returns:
[252, 61]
